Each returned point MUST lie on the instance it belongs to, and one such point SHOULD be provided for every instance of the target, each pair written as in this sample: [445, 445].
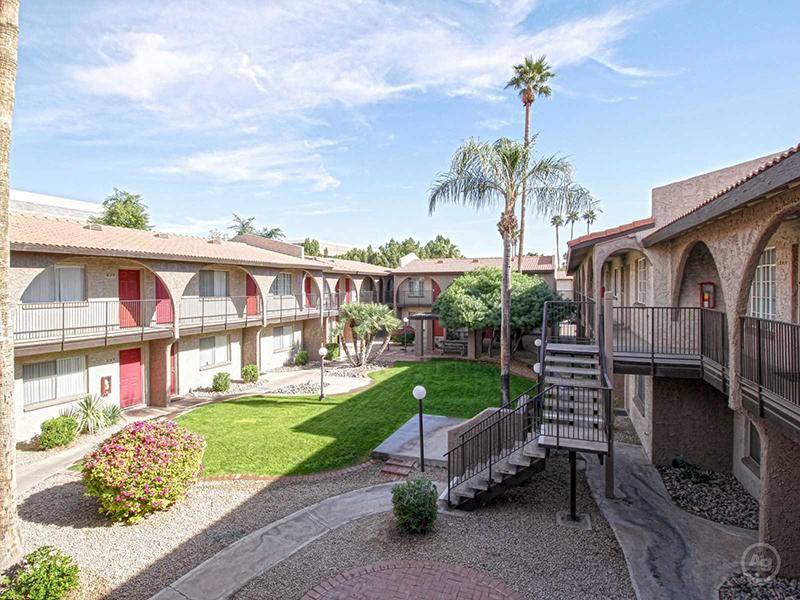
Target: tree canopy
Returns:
[473, 301]
[311, 247]
[365, 320]
[124, 209]
[244, 226]
[389, 254]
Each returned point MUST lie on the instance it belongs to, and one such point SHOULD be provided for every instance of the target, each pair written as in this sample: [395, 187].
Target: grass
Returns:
[299, 435]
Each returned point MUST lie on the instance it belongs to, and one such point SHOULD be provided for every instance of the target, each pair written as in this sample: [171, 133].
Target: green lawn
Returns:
[280, 436]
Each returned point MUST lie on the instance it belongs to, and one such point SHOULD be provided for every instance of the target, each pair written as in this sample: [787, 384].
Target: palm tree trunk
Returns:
[505, 314]
[572, 230]
[558, 253]
[587, 226]
[521, 247]
[10, 545]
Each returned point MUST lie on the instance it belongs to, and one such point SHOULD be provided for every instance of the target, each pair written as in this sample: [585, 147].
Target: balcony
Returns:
[292, 307]
[59, 326]
[216, 313]
[415, 298]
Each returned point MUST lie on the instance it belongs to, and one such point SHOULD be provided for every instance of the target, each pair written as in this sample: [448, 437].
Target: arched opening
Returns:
[700, 284]
[221, 293]
[311, 295]
[345, 290]
[369, 291]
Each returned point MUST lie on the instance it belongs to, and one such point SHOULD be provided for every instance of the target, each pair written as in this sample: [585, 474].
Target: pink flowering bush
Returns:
[145, 467]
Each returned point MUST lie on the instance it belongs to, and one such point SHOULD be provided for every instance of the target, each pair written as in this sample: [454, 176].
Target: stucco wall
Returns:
[700, 268]
[191, 376]
[271, 359]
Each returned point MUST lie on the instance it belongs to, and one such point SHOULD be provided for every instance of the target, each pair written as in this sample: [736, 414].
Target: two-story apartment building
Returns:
[139, 317]
[706, 322]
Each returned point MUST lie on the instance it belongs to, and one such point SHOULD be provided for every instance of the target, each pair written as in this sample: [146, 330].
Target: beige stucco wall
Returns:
[271, 359]
[191, 376]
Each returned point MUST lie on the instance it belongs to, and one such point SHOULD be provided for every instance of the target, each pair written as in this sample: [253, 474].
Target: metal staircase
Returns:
[568, 409]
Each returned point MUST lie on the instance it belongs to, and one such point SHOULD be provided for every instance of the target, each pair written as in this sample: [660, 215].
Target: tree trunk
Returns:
[505, 319]
[558, 253]
[572, 230]
[343, 343]
[10, 545]
[521, 246]
[382, 349]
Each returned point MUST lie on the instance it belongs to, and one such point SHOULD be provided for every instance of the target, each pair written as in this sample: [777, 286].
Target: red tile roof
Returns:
[612, 232]
[530, 264]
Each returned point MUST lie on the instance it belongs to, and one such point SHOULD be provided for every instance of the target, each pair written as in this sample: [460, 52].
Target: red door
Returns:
[337, 293]
[438, 330]
[163, 304]
[252, 296]
[130, 377]
[307, 290]
[129, 298]
[173, 369]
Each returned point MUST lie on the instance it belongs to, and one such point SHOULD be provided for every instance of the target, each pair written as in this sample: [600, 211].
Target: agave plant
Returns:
[112, 413]
[90, 414]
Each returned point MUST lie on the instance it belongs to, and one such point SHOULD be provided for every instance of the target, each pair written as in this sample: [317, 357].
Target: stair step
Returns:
[573, 444]
[577, 360]
[583, 383]
[534, 451]
[581, 418]
[396, 470]
[572, 370]
[519, 459]
[571, 432]
[573, 348]
[401, 462]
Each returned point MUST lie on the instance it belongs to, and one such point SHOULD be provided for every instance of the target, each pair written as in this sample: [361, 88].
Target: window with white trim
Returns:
[61, 283]
[416, 288]
[213, 284]
[763, 290]
[282, 338]
[54, 379]
[282, 286]
[215, 350]
[641, 280]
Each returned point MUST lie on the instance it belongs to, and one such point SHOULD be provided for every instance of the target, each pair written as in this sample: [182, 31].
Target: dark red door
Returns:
[438, 330]
[129, 298]
[252, 296]
[307, 290]
[130, 377]
[173, 369]
[163, 304]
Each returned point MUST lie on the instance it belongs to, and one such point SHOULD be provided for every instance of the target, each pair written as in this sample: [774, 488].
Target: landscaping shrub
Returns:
[301, 358]
[112, 414]
[59, 431]
[89, 412]
[145, 467]
[399, 335]
[414, 505]
[222, 382]
[44, 574]
[250, 373]
[333, 350]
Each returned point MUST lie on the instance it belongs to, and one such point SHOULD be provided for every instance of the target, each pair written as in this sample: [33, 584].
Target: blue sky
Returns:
[331, 119]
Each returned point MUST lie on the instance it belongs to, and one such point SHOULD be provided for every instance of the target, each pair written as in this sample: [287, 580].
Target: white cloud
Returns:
[193, 226]
[272, 165]
[493, 124]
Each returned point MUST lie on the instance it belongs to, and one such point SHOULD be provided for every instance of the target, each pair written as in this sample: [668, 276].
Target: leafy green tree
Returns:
[311, 247]
[473, 301]
[242, 225]
[484, 175]
[273, 233]
[124, 209]
[389, 254]
[440, 247]
[365, 321]
[530, 80]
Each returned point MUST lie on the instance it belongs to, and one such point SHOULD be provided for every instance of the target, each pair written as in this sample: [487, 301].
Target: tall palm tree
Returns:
[242, 225]
[530, 80]
[590, 216]
[573, 216]
[10, 546]
[486, 175]
[557, 221]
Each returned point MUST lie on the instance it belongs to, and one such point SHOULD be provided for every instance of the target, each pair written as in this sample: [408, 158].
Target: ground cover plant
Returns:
[58, 431]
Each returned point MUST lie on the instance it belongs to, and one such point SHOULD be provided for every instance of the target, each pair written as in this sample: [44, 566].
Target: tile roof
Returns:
[530, 264]
[612, 232]
[341, 265]
[46, 234]
[771, 162]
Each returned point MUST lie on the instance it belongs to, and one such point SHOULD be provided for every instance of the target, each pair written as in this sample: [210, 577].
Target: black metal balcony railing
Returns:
[220, 311]
[415, 298]
[770, 357]
[657, 330]
[44, 322]
[368, 296]
[569, 322]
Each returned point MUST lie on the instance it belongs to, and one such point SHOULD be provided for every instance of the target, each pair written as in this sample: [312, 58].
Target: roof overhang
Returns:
[772, 181]
[577, 252]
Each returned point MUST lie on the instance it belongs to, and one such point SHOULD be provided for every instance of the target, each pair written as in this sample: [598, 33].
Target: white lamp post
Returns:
[323, 352]
[405, 334]
[419, 392]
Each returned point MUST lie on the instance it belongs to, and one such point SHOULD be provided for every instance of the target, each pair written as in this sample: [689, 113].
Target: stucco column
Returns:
[159, 372]
[250, 337]
[313, 337]
[418, 341]
[429, 338]
[780, 498]
[474, 338]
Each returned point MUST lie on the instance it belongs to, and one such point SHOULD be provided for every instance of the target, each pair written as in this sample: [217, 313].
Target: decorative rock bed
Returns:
[298, 389]
[237, 387]
[718, 497]
[741, 587]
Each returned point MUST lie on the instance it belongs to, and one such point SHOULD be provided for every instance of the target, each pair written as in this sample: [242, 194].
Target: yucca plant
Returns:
[112, 413]
[90, 414]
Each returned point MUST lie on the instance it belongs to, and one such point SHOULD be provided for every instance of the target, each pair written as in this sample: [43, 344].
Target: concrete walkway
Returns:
[670, 553]
[229, 570]
[404, 443]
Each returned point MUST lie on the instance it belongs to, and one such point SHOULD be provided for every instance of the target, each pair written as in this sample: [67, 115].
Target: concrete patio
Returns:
[403, 444]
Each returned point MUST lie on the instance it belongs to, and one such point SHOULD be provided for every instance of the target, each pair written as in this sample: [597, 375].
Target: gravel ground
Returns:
[135, 561]
[624, 431]
[237, 387]
[515, 540]
[298, 389]
[740, 587]
[718, 497]
[29, 454]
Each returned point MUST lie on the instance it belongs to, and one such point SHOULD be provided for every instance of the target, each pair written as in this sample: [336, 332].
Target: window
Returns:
[282, 286]
[282, 338]
[641, 280]
[214, 350]
[54, 379]
[763, 290]
[213, 283]
[57, 284]
[639, 394]
[415, 288]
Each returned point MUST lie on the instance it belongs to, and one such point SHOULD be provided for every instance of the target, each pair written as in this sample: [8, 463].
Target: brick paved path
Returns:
[411, 580]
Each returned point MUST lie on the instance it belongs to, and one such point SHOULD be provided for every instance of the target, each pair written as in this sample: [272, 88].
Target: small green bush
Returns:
[112, 414]
[403, 336]
[59, 431]
[222, 382]
[44, 574]
[333, 350]
[301, 358]
[414, 505]
[90, 414]
[145, 467]
[250, 373]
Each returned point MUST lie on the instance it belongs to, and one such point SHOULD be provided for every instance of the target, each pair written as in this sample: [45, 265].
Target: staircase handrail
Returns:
[514, 402]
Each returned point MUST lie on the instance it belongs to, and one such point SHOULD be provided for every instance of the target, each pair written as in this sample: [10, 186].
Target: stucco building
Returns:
[706, 320]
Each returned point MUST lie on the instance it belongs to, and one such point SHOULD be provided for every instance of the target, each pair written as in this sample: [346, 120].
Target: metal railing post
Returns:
[759, 369]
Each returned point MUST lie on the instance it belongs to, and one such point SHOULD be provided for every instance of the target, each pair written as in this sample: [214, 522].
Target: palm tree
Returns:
[590, 216]
[557, 221]
[273, 233]
[10, 545]
[530, 79]
[573, 216]
[484, 175]
[242, 226]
